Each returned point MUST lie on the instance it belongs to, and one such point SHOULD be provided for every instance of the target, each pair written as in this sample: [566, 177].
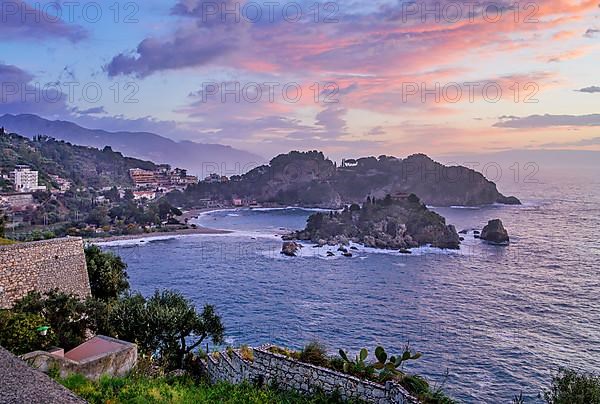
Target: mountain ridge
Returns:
[198, 158]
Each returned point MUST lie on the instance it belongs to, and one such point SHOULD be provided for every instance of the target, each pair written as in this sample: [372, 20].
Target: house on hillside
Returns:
[25, 179]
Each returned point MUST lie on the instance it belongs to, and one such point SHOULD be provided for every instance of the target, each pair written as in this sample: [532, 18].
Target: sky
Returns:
[347, 77]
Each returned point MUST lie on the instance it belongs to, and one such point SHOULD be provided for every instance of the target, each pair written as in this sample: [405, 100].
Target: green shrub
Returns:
[65, 314]
[571, 387]
[18, 332]
[247, 353]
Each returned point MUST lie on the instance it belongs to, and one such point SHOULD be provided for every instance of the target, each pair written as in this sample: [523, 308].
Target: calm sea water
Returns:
[490, 321]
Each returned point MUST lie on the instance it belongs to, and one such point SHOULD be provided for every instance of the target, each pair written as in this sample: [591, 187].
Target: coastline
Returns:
[189, 215]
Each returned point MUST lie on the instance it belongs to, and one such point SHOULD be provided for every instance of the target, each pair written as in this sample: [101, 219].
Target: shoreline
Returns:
[189, 215]
[182, 232]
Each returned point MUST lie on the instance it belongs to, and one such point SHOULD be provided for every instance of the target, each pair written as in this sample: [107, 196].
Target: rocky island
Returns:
[397, 221]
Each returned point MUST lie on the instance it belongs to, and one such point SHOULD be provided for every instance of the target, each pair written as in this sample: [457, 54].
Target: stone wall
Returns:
[42, 266]
[268, 368]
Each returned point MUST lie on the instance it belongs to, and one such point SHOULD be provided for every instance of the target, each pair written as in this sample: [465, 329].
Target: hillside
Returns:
[310, 179]
[197, 158]
[84, 166]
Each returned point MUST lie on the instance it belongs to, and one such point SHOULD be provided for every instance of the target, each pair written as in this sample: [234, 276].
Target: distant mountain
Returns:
[310, 179]
[200, 159]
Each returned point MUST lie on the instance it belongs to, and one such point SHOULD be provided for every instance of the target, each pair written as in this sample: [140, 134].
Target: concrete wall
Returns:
[42, 266]
[290, 374]
[117, 362]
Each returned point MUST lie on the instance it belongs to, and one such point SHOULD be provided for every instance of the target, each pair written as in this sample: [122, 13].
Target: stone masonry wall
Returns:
[289, 374]
[42, 266]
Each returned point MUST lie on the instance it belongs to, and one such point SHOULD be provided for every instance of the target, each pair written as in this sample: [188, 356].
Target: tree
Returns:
[166, 325]
[113, 194]
[98, 216]
[164, 209]
[2, 221]
[65, 314]
[128, 195]
[178, 320]
[314, 222]
[128, 319]
[412, 198]
[571, 387]
[107, 274]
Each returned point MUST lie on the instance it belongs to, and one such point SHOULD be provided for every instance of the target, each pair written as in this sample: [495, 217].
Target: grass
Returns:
[246, 353]
[180, 390]
[5, 241]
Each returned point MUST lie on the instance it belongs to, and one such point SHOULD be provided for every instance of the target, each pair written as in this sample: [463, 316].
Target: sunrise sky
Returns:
[377, 56]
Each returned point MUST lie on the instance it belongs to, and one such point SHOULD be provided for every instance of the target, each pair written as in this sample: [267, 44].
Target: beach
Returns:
[188, 215]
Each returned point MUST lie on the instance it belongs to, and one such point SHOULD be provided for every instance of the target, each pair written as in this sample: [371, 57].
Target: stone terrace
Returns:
[289, 374]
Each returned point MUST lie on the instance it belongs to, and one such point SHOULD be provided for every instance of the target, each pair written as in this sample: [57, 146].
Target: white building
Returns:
[64, 185]
[149, 195]
[25, 180]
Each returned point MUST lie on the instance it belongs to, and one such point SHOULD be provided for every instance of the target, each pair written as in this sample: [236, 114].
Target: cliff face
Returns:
[385, 223]
[434, 183]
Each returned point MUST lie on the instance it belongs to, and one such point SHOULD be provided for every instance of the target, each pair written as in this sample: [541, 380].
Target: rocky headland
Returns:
[395, 222]
[310, 179]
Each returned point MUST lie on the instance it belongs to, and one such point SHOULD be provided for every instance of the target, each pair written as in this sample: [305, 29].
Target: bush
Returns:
[314, 353]
[284, 351]
[570, 387]
[18, 332]
[65, 314]
[246, 353]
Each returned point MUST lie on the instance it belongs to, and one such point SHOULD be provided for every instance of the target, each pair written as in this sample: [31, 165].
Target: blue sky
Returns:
[162, 55]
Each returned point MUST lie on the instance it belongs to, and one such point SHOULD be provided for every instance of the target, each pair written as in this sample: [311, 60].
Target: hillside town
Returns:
[27, 194]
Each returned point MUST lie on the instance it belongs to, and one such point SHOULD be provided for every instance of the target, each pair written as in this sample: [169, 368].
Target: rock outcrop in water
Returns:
[290, 248]
[494, 232]
[391, 223]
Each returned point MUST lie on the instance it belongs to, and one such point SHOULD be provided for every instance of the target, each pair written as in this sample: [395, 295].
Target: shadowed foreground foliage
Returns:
[571, 387]
[181, 390]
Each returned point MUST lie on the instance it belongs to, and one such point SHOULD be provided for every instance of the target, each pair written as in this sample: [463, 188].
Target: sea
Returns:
[491, 322]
